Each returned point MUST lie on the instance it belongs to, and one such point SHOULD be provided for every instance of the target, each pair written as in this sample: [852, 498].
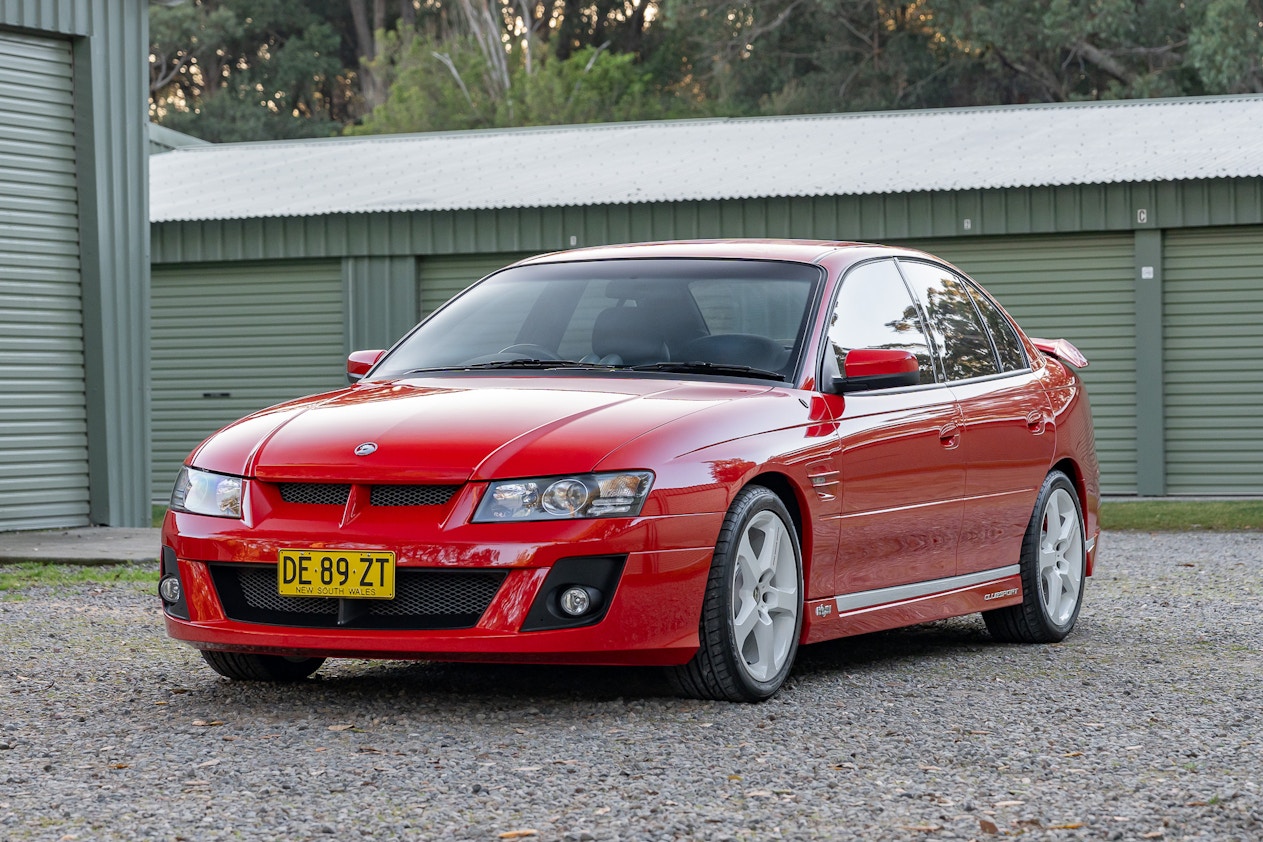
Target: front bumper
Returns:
[651, 617]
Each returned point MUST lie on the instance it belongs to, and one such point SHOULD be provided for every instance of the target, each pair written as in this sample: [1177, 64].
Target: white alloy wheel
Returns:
[765, 598]
[1061, 557]
[752, 612]
[1053, 566]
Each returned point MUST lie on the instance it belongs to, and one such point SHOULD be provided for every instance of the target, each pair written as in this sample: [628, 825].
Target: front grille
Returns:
[424, 599]
[412, 495]
[332, 494]
[315, 493]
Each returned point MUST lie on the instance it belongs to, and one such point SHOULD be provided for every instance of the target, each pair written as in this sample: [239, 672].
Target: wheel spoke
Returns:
[763, 662]
[1052, 594]
[744, 620]
[749, 565]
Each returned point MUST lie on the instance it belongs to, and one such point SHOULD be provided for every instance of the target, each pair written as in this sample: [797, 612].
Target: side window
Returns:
[960, 340]
[874, 310]
[1007, 344]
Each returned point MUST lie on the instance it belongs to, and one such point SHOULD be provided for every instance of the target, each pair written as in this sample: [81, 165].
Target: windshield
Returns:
[705, 316]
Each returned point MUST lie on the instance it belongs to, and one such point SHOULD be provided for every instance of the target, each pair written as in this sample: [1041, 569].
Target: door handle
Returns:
[949, 435]
[1035, 421]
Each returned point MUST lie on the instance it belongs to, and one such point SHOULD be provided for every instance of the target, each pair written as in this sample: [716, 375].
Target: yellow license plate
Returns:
[345, 574]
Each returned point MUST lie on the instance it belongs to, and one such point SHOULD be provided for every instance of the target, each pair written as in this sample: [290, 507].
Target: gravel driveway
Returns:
[1143, 724]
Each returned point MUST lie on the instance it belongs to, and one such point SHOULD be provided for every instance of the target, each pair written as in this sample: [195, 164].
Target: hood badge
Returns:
[366, 448]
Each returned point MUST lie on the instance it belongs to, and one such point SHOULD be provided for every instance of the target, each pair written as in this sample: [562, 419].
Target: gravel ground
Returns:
[1143, 724]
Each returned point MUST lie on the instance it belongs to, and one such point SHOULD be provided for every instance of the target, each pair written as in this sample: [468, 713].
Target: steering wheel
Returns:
[529, 351]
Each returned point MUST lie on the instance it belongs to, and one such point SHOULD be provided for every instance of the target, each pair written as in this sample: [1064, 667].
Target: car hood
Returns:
[453, 430]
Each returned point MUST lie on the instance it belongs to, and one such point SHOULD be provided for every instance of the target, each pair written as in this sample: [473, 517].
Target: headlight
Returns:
[565, 498]
[204, 493]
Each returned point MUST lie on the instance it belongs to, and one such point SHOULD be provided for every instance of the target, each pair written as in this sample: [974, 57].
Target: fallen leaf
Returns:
[202, 723]
[921, 828]
[341, 727]
[1009, 803]
[734, 777]
[1073, 754]
[519, 834]
[988, 827]
[1068, 826]
[120, 765]
[159, 703]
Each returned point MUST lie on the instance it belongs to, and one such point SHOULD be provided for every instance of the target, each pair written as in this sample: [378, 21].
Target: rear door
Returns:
[1007, 440]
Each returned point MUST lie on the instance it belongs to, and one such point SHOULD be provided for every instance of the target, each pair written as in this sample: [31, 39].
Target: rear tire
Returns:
[276, 668]
[1054, 560]
[752, 610]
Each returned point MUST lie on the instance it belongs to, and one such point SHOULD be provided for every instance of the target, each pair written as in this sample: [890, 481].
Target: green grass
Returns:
[28, 573]
[1182, 515]
[159, 512]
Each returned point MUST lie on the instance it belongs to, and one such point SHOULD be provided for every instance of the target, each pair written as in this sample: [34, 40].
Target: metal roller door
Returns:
[440, 278]
[43, 399]
[229, 339]
[1079, 287]
[1213, 339]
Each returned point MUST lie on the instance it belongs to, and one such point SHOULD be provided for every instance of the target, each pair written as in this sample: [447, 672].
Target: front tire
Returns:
[1054, 561]
[275, 668]
[752, 610]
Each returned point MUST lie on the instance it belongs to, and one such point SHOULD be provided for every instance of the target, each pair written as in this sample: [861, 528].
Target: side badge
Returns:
[366, 448]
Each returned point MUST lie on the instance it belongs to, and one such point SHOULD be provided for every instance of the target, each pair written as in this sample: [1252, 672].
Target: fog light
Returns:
[169, 589]
[576, 601]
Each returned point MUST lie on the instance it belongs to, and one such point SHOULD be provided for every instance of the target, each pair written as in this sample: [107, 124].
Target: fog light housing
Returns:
[577, 601]
[169, 589]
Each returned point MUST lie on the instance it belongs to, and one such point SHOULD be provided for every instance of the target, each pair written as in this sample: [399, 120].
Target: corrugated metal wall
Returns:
[43, 400]
[229, 339]
[107, 44]
[1213, 340]
[1079, 287]
[440, 278]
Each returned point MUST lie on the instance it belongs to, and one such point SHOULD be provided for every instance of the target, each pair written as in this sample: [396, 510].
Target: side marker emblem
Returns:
[366, 448]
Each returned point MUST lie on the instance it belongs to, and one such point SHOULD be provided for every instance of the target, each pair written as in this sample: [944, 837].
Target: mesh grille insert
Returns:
[412, 495]
[316, 493]
[424, 599]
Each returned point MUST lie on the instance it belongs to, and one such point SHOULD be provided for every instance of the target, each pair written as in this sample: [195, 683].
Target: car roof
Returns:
[801, 251]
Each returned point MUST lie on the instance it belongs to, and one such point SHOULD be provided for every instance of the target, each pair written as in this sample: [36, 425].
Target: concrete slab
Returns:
[88, 545]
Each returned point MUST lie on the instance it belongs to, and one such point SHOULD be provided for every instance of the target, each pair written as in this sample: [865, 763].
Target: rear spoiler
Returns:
[1062, 350]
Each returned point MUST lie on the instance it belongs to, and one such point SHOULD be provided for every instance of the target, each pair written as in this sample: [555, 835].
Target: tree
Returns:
[466, 70]
[248, 69]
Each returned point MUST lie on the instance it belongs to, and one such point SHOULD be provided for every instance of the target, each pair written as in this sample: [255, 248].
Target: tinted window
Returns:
[959, 339]
[621, 313]
[874, 310]
[1007, 343]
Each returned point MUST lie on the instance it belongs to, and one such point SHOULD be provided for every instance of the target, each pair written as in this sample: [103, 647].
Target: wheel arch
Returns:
[791, 496]
[1078, 479]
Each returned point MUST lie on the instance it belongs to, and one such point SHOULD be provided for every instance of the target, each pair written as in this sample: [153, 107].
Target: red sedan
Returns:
[693, 455]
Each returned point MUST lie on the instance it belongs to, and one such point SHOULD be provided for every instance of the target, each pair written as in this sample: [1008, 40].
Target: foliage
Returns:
[449, 84]
[229, 70]
[253, 69]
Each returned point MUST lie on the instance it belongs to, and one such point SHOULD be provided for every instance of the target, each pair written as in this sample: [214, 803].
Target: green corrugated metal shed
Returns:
[74, 274]
[1154, 279]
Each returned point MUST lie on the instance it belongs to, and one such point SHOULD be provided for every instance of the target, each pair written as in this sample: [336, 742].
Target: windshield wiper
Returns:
[699, 367]
[533, 364]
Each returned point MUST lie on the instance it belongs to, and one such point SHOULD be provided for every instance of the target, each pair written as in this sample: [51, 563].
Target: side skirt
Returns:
[907, 605]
